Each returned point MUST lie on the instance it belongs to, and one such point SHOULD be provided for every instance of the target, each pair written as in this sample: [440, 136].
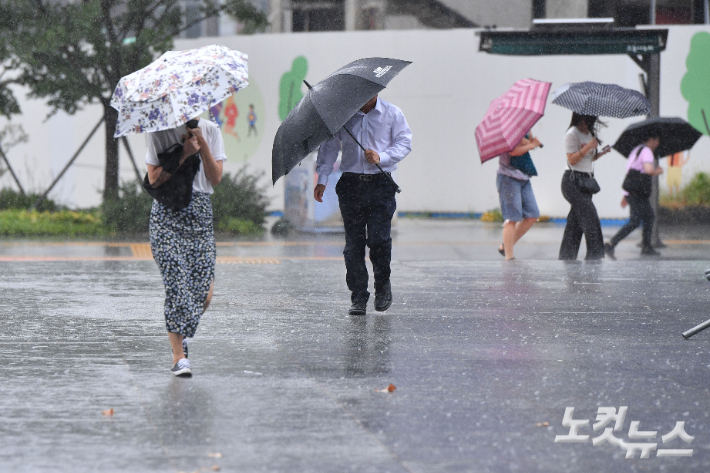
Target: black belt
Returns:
[588, 174]
[364, 177]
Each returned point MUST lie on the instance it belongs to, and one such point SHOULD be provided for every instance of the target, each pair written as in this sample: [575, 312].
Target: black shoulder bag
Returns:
[176, 192]
[636, 182]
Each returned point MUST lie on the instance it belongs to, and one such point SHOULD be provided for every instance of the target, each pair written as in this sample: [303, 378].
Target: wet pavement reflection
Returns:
[485, 355]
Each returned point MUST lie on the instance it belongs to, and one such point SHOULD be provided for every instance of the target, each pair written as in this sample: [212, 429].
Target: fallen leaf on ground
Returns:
[214, 455]
[215, 468]
[388, 389]
[108, 412]
[542, 424]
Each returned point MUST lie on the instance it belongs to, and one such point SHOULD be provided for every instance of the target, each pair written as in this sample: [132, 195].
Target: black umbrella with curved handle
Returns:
[326, 107]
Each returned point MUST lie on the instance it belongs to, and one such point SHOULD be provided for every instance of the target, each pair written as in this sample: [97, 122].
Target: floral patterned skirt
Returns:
[183, 245]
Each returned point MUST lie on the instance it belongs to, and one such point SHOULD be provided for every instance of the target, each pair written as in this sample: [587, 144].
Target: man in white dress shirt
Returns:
[366, 196]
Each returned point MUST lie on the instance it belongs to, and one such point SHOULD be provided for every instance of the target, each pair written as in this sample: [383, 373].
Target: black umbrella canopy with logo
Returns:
[675, 135]
[326, 107]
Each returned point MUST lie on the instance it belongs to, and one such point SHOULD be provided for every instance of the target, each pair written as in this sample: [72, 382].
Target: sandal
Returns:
[501, 249]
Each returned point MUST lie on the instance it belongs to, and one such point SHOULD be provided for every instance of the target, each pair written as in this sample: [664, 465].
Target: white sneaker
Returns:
[182, 368]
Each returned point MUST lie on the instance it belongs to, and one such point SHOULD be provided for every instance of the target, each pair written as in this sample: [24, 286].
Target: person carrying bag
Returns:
[183, 165]
[173, 188]
[578, 187]
[638, 184]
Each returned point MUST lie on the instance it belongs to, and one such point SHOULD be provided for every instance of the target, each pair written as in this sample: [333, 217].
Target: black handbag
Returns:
[637, 183]
[176, 192]
[585, 183]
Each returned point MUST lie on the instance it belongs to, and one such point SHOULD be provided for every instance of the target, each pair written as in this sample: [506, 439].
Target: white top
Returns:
[383, 129]
[159, 141]
[575, 140]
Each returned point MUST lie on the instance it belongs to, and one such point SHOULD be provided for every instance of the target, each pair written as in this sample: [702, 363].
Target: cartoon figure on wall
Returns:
[694, 85]
[231, 112]
[241, 139]
[251, 118]
[290, 86]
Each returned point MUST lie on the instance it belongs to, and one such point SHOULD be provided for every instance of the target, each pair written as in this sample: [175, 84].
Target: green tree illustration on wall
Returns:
[290, 86]
[695, 85]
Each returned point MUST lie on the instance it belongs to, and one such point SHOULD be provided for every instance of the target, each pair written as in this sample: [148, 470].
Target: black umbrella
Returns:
[326, 107]
[675, 133]
[601, 100]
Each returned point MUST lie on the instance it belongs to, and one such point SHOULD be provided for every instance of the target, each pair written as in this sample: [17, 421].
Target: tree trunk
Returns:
[111, 173]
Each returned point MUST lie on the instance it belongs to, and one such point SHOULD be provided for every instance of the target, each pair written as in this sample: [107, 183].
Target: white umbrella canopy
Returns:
[177, 87]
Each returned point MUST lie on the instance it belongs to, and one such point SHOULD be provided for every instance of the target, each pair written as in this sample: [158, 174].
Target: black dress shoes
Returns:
[383, 298]
[358, 308]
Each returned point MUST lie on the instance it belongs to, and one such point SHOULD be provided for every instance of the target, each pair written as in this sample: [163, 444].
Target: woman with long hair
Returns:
[182, 241]
[578, 186]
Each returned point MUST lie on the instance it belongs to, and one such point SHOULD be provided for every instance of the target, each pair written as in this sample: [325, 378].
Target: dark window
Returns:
[538, 9]
[192, 13]
[698, 11]
[632, 15]
[674, 15]
[318, 15]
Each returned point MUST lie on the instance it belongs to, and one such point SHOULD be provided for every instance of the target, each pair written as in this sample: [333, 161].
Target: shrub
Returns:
[238, 203]
[238, 226]
[492, 216]
[130, 212]
[64, 222]
[697, 192]
[239, 197]
[10, 199]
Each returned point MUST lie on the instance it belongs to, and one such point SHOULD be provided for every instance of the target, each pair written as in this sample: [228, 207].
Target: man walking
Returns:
[366, 196]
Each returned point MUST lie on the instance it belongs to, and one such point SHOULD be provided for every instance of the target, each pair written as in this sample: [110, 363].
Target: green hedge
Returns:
[239, 204]
[697, 192]
[10, 199]
[64, 222]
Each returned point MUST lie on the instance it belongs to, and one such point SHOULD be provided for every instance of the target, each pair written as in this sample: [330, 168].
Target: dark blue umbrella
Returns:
[326, 107]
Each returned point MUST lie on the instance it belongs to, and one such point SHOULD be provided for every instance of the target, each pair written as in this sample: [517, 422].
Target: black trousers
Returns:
[641, 211]
[367, 208]
[581, 220]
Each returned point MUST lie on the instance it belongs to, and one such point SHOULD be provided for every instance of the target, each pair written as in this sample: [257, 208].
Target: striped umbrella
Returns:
[510, 117]
[601, 100]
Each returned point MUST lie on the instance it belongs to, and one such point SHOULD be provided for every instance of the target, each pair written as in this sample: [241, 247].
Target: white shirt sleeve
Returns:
[402, 137]
[216, 143]
[572, 142]
[327, 155]
[151, 157]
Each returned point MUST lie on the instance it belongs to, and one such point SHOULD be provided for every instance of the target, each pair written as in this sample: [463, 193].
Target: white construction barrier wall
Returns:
[443, 94]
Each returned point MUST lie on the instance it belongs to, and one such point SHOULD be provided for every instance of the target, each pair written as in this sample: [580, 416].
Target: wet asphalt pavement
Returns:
[485, 356]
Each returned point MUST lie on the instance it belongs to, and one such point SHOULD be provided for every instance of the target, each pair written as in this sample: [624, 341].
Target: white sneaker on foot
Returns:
[182, 368]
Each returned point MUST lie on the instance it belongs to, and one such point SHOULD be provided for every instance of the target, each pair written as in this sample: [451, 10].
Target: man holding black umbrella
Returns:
[366, 195]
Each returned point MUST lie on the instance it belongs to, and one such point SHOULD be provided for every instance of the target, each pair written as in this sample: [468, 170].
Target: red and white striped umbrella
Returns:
[510, 117]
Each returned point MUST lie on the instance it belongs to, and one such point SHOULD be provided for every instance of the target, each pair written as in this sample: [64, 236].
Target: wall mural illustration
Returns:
[290, 86]
[694, 85]
[241, 118]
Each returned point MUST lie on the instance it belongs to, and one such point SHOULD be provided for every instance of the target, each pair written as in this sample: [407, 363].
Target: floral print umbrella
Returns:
[178, 86]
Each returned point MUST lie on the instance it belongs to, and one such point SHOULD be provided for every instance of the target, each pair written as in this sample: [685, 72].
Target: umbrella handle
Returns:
[389, 177]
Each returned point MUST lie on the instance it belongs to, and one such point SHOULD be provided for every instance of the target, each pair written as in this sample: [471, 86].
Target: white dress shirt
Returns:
[383, 129]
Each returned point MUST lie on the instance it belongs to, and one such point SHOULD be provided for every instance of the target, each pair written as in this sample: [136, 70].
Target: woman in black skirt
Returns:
[182, 241]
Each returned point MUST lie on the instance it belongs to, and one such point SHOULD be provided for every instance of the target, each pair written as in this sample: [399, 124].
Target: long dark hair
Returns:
[593, 123]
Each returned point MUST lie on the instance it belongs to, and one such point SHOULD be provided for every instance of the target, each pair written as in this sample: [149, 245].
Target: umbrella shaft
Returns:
[378, 166]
